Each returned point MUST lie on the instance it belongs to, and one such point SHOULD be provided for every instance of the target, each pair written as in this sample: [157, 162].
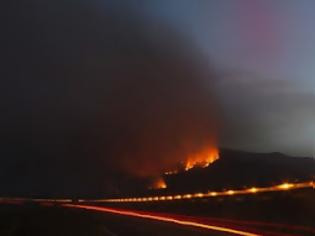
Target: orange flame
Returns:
[202, 159]
[159, 184]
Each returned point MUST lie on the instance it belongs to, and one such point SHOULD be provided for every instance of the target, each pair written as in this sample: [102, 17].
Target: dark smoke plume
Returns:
[92, 92]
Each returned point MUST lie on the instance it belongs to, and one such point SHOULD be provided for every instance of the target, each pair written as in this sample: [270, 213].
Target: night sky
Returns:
[93, 92]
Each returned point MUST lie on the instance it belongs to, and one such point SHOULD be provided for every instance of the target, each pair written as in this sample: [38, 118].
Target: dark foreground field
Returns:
[31, 220]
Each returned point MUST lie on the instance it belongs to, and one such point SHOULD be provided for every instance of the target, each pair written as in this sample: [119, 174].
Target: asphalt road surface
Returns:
[29, 220]
[66, 220]
[124, 225]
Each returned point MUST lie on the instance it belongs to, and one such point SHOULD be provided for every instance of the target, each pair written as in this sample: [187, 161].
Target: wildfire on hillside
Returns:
[159, 184]
[200, 159]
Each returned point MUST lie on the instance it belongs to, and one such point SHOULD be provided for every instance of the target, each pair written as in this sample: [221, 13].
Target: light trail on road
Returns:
[151, 216]
[211, 194]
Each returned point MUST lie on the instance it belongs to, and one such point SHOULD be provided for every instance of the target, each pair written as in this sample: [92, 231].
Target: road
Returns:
[118, 225]
[154, 223]
[122, 222]
[172, 224]
[35, 220]
[32, 219]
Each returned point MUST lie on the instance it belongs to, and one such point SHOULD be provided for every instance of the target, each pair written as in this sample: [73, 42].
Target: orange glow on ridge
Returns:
[202, 159]
[159, 184]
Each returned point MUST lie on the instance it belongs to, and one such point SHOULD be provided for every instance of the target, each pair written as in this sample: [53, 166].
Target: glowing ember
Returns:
[253, 190]
[202, 159]
[171, 172]
[159, 184]
[285, 186]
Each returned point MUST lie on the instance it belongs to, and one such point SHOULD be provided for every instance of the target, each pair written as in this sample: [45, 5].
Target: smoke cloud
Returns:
[90, 93]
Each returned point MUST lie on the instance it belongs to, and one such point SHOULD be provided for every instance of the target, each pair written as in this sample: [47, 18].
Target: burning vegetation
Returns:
[202, 159]
[199, 159]
[159, 183]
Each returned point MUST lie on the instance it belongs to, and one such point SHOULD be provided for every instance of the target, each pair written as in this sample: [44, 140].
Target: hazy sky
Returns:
[271, 38]
[264, 52]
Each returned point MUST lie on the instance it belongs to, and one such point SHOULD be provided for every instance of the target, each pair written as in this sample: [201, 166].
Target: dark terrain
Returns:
[32, 220]
[239, 169]
[289, 212]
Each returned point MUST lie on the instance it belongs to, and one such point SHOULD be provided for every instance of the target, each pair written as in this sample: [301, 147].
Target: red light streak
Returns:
[163, 218]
